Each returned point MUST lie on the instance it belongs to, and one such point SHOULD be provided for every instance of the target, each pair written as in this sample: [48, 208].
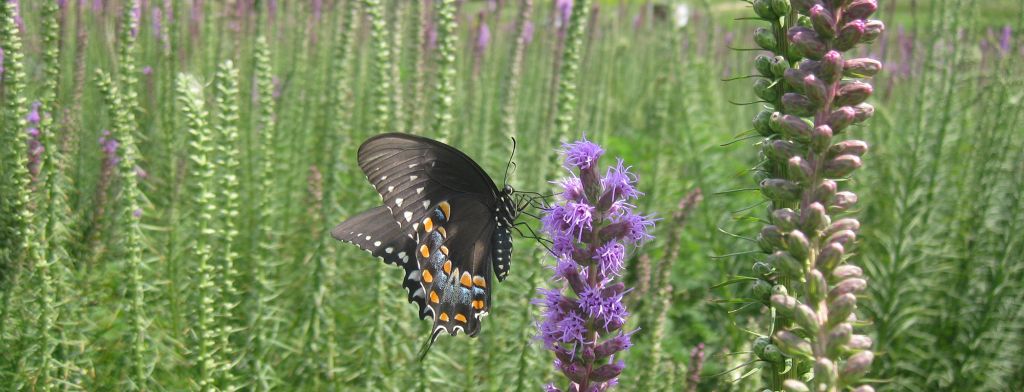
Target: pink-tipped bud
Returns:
[860, 9]
[798, 245]
[848, 147]
[841, 118]
[785, 264]
[861, 67]
[862, 112]
[799, 169]
[849, 35]
[840, 308]
[607, 372]
[823, 21]
[846, 271]
[852, 93]
[792, 344]
[791, 126]
[782, 150]
[830, 256]
[785, 218]
[807, 42]
[815, 89]
[798, 104]
[860, 342]
[821, 137]
[574, 371]
[843, 237]
[824, 371]
[806, 318]
[842, 166]
[843, 224]
[824, 192]
[784, 304]
[794, 78]
[770, 238]
[857, 366]
[848, 286]
[816, 285]
[844, 200]
[838, 336]
[831, 68]
[872, 30]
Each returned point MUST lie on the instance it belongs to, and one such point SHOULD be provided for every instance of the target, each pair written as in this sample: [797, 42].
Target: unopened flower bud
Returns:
[831, 68]
[771, 353]
[607, 372]
[781, 7]
[792, 385]
[784, 304]
[763, 8]
[794, 78]
[823, 21]
[840, 308]
[842, 237]
[842, 166]
[763, 65]
[861, 67]
[821, 137]
[781, 150]
[574, 371]
[798, 104]
[804, 20]
[857, 365]
[860, 342]
[806, 42]
[824, 192]
[844, 200]
[779, 65]
[851, 224]
[837, 339]
[587, 353]
[860, 9]
[761, 268]
[816, 285]
[815, 89]
[848, 286]
[846, 271]
[761, 289]
[848, 147]
[779, 290]
[792, 345]
[765, 89]
[849, 35]
[770, 238]
[806, 318]
[814, 218]
[785, 218]
[863, 112]
[765, 39]
[852, 93]
[761, 123]
[611, 346]
[798, 245]
[872, 30]
[824, 371]
[780, 190]
[800, 170]
[791, 126]
[840, 118]
[785, 264]
[830, 256]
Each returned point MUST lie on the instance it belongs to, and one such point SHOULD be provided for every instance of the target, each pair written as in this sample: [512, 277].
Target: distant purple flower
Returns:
[1004, 39]
[583, 318]
[34, 144]
[483, 37]
[97, 6]
[109, 147]
[147, 70]
[141, 173]
[527, 32]
[430, 33]
[564, 8]
[136, 17]
[137, 213]
[156, 18]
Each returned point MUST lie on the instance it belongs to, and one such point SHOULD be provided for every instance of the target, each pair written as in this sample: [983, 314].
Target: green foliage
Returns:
[204, 261]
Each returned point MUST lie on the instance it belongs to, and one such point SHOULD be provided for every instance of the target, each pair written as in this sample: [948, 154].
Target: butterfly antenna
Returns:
[510, 164]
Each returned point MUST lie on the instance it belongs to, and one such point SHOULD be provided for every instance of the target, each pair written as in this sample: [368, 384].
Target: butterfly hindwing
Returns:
[376, 232]
[454, 255]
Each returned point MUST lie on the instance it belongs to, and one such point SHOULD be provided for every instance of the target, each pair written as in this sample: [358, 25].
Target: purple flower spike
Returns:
[564, 12]
[483, 37]
[583, 317]
[528, 32]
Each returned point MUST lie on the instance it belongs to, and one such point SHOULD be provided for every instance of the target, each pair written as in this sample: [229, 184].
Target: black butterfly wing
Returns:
[454, 254]
[376, 232]
[412, 174]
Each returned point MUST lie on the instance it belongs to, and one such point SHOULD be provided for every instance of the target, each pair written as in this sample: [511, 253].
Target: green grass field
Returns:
[165, 227]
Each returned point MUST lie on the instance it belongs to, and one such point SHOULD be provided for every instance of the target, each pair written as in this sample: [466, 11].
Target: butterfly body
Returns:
[443, 220]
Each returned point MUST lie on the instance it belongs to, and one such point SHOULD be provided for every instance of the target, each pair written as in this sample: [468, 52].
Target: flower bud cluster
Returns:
[590, 228]
[814, 94]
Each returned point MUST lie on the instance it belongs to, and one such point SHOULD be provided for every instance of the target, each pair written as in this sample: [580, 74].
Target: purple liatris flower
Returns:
[527, 32]
[483, 36]
[590, 228]
[35, 144]
[564, 12]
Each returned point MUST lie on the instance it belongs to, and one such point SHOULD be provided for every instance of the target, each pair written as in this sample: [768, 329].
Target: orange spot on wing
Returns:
[478, 304]
[434, 298]
[424, 251]
[447, 266]
[427, 276]
[446, 209]
[444, 317]
[479, 281]
[466, 281]
[428, 225]
[444, 233]
[460, 317]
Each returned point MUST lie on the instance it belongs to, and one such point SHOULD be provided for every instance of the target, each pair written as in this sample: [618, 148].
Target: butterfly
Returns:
[443, 221]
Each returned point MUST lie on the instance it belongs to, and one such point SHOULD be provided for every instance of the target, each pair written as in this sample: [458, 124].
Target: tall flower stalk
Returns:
[814, 94]
[445, 65]
[590, 227]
